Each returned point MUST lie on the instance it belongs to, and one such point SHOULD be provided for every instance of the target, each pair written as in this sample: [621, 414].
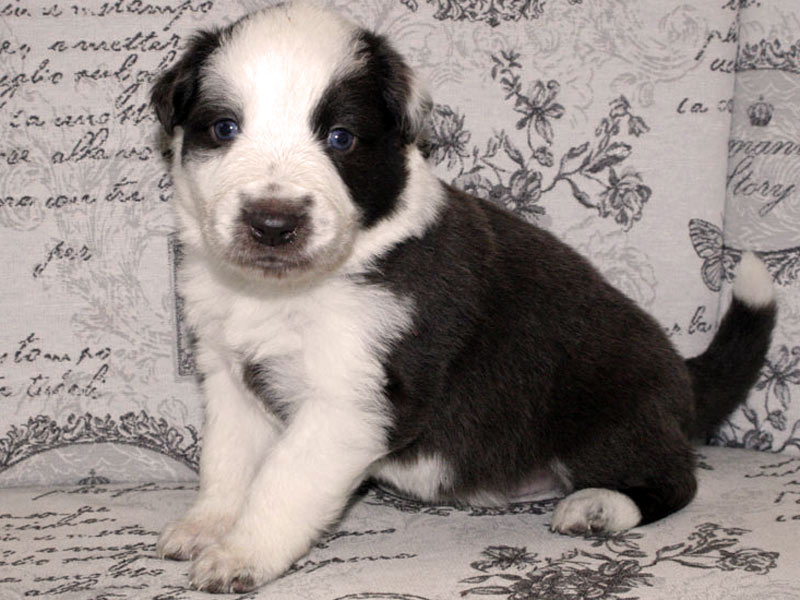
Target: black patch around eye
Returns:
[198, 134]
[183, 99]
[374, 170]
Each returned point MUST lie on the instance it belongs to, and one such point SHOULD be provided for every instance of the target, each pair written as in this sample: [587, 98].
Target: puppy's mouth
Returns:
[273, 267]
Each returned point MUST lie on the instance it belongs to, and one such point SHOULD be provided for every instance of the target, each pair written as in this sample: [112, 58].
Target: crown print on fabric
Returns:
[760, 113]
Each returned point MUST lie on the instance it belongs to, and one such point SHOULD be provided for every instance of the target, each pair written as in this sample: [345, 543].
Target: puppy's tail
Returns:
[723, 374]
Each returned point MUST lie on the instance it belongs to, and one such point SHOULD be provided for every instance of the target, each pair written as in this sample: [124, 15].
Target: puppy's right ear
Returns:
[176, 89]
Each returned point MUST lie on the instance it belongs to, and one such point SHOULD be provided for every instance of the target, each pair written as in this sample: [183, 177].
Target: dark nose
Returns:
[272, 228]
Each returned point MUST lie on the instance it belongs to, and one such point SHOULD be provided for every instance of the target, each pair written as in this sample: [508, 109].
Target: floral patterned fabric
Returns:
[737, 541]
[660, 138]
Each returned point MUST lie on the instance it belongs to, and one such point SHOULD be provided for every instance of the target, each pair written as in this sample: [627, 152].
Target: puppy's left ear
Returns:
[406, 96]
[176, 89]
[417, 107]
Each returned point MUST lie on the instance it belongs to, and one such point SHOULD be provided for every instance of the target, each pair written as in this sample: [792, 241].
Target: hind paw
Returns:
[595, 510]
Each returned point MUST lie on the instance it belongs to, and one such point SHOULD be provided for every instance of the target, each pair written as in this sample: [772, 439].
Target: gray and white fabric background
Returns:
[659, 138]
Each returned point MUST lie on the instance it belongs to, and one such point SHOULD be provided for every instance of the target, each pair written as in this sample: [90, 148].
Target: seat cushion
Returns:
[737, 540]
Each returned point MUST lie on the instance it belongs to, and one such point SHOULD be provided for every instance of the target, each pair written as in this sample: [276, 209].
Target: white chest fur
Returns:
[328, 340]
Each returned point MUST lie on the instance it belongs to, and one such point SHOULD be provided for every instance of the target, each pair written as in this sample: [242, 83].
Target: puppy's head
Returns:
[291, 131]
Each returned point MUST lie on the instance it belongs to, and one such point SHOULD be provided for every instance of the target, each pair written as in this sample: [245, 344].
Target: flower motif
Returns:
[610, 580]
[520, 195]
[581, 575]
[620, 107]
[474, 183]
[526, 186]
[539, 107]
[622, 576]
[777, 418]
[751, 560]
[448, 138]
[540, 586]
[504, 558]
[42, 430]
[637, 126]
[624, 198]
[776, 376]
[543, 156]
[756, 439]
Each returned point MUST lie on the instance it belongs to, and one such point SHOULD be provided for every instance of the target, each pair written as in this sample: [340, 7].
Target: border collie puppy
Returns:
[356, 317]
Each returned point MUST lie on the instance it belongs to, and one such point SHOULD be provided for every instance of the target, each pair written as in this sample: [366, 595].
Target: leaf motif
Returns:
[509, 577]
[644, 192]
[713, 546]
[601, 557]
[544, 129]
[513, 153]
[492, 146]
[492, 590]
[476, 579]
[750, 415]
[582, 196]
[555, 111]
[576, 151]
[671, 548]
[777, 419]
[511, 85]
[539, 94]
[783, 394]
[735, 531]
[602, 128]
[637, 126]
[614, 154]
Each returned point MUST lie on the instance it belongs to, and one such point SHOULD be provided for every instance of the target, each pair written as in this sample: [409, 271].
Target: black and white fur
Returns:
[357, 317]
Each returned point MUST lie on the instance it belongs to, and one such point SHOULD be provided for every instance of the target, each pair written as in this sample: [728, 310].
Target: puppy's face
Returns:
[290, 135]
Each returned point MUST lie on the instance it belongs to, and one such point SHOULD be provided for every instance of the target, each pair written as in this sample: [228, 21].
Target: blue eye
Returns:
[226, 129]
[341, 139]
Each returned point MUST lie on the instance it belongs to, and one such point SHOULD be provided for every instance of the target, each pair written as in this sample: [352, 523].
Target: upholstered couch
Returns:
[658, 137]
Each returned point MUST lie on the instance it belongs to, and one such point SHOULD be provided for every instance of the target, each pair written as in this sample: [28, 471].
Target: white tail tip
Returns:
[753, 283]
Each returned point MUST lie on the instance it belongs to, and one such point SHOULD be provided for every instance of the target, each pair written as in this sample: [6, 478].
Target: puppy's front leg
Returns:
[301, 489]
[236, 435]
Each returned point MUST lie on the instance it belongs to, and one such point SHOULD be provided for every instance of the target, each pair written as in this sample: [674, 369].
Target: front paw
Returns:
[225, 569]
[188, 537]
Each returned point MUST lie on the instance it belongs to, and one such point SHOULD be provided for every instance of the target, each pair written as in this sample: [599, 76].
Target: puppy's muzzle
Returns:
[273, 233]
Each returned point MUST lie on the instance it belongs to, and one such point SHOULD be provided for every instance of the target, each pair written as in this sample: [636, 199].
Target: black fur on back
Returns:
[521, 354]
